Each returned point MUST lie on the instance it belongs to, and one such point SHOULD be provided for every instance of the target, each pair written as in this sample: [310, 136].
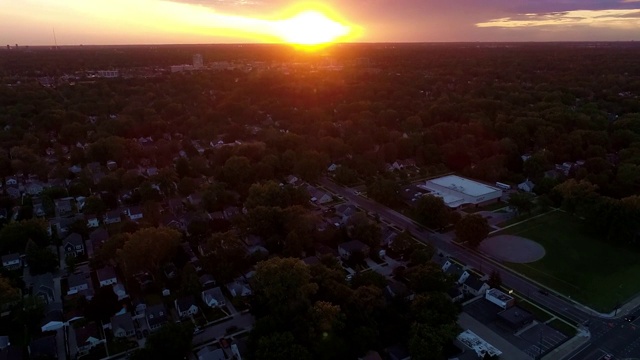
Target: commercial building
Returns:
[477, 344]
[457, 191]
[499, 298]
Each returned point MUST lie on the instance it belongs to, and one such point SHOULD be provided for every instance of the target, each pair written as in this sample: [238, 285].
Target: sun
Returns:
[310, 28]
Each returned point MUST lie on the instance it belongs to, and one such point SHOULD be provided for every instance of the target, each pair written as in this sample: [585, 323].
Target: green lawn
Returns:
[578, 264]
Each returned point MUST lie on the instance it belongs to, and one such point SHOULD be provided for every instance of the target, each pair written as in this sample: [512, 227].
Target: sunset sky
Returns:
[31, 22]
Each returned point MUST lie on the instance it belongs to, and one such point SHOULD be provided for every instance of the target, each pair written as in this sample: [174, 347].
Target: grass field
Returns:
[577, 264]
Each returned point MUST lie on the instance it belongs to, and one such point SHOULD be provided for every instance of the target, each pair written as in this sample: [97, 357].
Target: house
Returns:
[140, 308]
[43, 287]
[176, 207]
[11, 181]
[195, 199]
[396, 289]
[318, 196]
[62, 224]
[87, 337]
[173, 222]
[345, 211]
[80, 284]
[112, 165]
[73, 245]
[455, 294]
[98, 238]
[388, 235]
[207, 281]
[107, 276]
[332, 168]
[13, 192]
[156, 316]
[122, 325]
[134, 213]
[63, 207]
[350, 247]
[291, 180]
[38, 207]
[213, 297]
[210, 353]
[92, 220]
[474, 286]
[238, 288]
[44, 348]
[455, 271]
[120, 291]
[231, 212]
[34, 188]
[186, 306]
[11, 261]
[53, 318]
[526, 186]
[112, 217]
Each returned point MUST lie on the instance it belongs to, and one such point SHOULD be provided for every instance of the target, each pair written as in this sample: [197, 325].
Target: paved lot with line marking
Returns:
[543, 338]
[529, 341]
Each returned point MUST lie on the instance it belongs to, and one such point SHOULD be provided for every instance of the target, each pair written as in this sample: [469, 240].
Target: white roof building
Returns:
[456, 191]
[475, 343]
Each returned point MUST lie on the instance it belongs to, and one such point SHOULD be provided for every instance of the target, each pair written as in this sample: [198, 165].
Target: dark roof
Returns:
[474, 282]
[113, 214]
[135, 210]
[311, 260]
[10, 257]
[354, 245]
[44, 346]
[43, 284]
[156, 314]
[77, 279]
[208, 353]
[454, 292]
[98, 238]
[454, 270]
[75, 239]
[515, 316]
[83, 333]
[122, 321]
[396, 289]
[106, 273]
[207, 279]
[11, 353]
[185, 303]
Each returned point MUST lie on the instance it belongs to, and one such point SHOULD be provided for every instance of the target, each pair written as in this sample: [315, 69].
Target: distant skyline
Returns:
[105, 22]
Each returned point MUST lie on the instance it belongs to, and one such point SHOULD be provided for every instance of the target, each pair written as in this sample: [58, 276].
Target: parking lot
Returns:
[531, 341]
[543, 339]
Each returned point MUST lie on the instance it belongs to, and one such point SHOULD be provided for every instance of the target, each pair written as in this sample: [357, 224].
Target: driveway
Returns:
[213, 333]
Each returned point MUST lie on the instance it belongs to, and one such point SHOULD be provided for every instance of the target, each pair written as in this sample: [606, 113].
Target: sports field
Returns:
[577, 264]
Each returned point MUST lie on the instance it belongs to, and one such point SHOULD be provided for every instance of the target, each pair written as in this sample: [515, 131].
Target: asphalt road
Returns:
[620, 338]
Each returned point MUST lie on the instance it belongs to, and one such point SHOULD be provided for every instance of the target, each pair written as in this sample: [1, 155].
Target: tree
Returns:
[103, 305]
[472, 229]
[577, 196]
[365, 230]
[40, 259]
[8, 293]
[427, 277]
[190, 284]
[384, 191]
[15, 235]
[432, 212]
[94, 205]
[280, 346]
[147, 249]
[402, 243]
[171, 341]
[283, 287]
[522, 202]
[495, 280]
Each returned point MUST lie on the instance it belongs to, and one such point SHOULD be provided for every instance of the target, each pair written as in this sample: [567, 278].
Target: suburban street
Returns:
[615, 336]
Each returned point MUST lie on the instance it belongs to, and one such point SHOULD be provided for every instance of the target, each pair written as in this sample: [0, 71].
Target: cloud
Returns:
[611, 18]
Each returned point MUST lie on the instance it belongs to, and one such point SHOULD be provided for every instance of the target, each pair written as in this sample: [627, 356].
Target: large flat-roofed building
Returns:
[457, 191]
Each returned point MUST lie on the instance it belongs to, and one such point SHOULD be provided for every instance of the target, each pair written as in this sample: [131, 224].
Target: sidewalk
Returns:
[567, 348]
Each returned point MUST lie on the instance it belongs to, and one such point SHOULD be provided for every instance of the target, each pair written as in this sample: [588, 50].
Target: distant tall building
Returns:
[197, 61]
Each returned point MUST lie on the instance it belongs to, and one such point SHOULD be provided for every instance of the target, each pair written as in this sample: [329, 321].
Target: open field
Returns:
[577, 264]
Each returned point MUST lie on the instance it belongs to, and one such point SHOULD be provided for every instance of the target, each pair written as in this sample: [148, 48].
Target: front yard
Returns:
[578, 264]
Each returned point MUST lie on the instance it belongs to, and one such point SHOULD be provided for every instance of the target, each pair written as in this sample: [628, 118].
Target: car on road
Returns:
[630, 318]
